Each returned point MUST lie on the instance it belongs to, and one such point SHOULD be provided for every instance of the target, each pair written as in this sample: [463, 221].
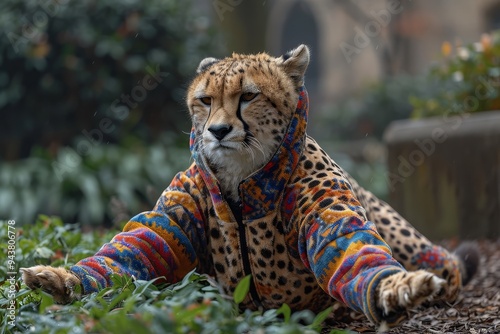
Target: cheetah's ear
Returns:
[295, 63]
[206, 63]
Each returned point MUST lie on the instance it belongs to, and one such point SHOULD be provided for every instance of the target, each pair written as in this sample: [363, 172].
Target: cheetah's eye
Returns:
[248, 96]
[206, 100]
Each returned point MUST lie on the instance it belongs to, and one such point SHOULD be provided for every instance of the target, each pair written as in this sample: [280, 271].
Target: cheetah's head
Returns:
[240, 107]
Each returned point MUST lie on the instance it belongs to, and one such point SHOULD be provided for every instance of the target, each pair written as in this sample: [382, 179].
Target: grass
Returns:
[194, 305]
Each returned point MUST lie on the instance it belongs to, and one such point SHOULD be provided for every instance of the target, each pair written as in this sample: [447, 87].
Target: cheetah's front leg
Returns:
[405, 290]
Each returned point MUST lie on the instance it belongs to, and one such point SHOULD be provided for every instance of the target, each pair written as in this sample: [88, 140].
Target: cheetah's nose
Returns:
[220, 131]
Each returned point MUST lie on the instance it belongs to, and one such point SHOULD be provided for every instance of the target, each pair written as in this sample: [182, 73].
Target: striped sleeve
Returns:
[164, 242]
[346, 253]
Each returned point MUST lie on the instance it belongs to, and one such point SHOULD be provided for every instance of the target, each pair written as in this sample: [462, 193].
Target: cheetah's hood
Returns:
[264, 188]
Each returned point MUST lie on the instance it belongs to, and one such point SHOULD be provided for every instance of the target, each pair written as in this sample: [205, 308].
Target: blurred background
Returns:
[92, 110]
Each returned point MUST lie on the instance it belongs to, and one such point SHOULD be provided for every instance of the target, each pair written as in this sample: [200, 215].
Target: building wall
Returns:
[355, 44]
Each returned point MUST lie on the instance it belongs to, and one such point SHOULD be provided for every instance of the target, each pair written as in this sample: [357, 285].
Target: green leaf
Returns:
[143, 286]
[242, 289]
[120, 298]
[43, 252]
[47, 301]
[320, 317]
[286, 311]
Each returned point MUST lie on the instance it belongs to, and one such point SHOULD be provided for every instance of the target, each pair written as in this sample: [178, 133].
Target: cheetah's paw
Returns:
[58, 282]
[405, 290]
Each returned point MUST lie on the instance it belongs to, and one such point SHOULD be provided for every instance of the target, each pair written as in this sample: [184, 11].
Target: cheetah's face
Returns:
[241, 107]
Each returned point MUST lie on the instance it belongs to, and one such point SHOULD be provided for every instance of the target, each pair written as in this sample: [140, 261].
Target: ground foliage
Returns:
[194, 305]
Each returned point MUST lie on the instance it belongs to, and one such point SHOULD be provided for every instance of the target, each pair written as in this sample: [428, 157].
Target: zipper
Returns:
[236, 209]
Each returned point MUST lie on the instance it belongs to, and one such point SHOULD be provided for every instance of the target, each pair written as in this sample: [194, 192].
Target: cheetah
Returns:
[262, 198]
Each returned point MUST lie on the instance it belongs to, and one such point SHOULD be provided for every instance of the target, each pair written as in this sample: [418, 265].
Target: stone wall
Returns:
[444, 174]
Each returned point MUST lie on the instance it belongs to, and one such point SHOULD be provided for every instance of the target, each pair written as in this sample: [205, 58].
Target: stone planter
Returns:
[444, 174]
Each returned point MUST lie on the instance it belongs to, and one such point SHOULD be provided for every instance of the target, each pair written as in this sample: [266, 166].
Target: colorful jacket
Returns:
[298, 230]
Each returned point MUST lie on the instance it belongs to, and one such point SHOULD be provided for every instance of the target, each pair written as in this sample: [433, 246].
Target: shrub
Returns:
[66, 66]
[80, 188]
[468, 80]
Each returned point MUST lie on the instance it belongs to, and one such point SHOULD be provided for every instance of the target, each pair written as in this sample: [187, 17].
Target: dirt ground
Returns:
[476, 311]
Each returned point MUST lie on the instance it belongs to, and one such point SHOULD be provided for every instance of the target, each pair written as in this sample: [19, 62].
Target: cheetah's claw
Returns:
[406, 290]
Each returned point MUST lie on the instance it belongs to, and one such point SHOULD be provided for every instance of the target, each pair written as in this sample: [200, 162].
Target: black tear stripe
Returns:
[238, 114]
[208, 116]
